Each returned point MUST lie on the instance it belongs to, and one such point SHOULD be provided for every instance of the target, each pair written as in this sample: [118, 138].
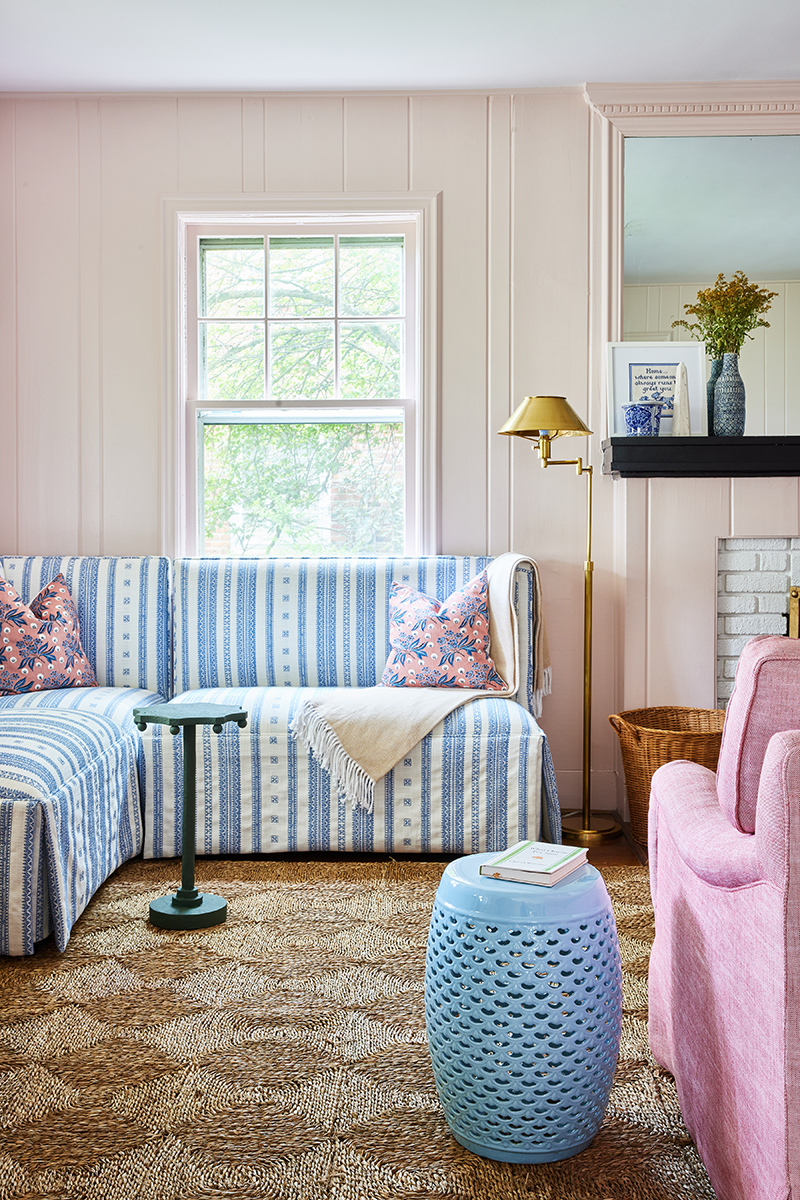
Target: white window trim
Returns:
[180, 212]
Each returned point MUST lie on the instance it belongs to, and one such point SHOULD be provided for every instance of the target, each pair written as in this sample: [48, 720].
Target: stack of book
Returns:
[535, 862]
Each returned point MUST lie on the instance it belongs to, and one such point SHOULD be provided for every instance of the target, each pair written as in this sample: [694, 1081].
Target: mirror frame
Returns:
[653, 110]
[620, 110]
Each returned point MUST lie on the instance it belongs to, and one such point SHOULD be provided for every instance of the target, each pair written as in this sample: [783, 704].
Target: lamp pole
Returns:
[540, 419]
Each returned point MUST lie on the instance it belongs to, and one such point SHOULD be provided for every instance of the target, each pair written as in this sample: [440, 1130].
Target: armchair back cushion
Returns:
[311, 622]
[124, 611]
[765, 700]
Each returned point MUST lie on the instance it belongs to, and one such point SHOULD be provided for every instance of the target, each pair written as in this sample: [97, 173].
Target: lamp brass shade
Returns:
[544, 416]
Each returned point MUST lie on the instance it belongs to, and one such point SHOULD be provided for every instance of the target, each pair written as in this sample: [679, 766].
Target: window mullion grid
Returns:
[330, 402]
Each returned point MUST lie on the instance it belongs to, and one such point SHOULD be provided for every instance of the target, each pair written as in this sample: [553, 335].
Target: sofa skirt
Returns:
[481, 780]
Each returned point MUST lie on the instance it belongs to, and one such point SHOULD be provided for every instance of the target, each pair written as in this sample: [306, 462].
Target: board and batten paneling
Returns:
[87, 409]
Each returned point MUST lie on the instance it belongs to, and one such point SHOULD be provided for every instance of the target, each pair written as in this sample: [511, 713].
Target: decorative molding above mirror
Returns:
[690, 109]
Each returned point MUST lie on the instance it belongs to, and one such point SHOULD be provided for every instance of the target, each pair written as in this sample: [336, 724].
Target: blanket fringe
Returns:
[352, 782]
[539, 694]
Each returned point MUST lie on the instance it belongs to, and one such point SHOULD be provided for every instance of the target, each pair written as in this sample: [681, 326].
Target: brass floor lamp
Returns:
[540, 419]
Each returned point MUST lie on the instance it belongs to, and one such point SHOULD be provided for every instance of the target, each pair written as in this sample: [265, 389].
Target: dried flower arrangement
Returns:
[726, 313]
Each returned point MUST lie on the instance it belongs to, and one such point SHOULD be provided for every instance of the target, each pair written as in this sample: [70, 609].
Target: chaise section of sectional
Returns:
[264, 634]
[77, 815]
[70, 814]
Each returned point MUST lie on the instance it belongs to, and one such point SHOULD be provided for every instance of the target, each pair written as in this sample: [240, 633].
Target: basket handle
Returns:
[620, 726]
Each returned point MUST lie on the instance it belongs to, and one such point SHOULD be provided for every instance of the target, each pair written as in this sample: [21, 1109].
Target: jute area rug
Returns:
[283, 1054]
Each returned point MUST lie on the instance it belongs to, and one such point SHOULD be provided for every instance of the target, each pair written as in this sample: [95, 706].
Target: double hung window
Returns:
[301, 387]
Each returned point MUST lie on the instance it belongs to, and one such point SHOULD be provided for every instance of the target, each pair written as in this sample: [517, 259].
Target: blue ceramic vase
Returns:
[716, 367]
[729, 399]
[643, 419]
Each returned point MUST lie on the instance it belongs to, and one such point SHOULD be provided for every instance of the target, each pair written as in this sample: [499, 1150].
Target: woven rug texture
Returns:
[282, 1055]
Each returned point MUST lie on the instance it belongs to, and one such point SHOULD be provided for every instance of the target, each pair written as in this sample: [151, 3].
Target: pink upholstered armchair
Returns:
[725, 967]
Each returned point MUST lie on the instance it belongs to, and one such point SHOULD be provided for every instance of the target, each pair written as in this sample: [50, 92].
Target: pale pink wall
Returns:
[526, 306]
[84, 388]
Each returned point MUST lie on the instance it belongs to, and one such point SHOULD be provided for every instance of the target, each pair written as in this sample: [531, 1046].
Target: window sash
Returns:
[310, 415]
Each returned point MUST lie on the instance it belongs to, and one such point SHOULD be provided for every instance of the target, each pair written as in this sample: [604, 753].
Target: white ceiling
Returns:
[275, 45]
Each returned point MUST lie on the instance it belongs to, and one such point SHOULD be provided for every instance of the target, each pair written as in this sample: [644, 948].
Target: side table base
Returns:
[521, 1156]
[166, 914]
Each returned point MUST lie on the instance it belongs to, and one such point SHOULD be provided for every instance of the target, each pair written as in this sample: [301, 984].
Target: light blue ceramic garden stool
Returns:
[523, 1004]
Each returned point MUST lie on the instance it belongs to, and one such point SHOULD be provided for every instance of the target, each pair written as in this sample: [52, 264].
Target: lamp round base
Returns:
[602, 829]
[167, 915]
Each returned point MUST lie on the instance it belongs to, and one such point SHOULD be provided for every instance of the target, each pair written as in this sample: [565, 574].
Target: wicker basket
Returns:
[650, 737]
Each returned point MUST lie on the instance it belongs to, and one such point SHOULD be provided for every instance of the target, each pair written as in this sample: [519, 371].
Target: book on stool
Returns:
[542, 863]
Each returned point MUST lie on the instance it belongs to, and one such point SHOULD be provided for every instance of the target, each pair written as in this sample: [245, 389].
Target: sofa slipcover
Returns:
[262, 634]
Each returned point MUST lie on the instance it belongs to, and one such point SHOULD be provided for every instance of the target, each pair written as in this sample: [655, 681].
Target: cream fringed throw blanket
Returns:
[359, 734]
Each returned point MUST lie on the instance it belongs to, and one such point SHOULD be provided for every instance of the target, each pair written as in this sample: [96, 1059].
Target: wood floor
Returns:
[620, 851]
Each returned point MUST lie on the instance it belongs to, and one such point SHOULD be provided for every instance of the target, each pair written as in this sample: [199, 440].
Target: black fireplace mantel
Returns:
[699, 457]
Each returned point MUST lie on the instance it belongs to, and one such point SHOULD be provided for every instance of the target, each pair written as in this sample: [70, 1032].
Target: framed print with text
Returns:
[641, 372]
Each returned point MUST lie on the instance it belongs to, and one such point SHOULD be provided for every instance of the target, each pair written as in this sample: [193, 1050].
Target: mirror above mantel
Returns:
[714, 113]
[695, 207]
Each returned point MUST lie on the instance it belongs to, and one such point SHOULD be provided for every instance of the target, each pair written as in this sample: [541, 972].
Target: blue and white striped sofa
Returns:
[70, 801]
[78, 782]
[262, 634]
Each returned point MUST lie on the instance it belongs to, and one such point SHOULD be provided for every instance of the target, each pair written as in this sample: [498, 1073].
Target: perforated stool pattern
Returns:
[523, 1005]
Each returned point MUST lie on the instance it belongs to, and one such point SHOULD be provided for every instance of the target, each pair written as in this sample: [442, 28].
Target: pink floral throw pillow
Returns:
[40, 643]
[437, 644]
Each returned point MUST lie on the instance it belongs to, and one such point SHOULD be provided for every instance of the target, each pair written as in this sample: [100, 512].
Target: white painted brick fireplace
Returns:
[754, 577]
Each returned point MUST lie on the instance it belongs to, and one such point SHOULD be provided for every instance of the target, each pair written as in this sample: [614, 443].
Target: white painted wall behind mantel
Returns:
[524, 218]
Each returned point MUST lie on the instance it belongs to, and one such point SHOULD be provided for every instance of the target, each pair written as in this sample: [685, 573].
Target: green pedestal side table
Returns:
[188, 908]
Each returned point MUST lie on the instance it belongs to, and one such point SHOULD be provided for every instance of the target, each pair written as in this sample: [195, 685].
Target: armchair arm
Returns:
[683, 797]
[778, 796]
